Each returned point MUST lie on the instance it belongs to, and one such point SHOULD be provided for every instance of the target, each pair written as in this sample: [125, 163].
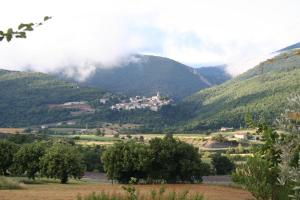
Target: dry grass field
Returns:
[71, 191]
[11, 130]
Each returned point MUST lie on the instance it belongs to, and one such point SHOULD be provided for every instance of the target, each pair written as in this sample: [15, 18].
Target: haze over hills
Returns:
[262, 91]
[145, 75]
[30, 98]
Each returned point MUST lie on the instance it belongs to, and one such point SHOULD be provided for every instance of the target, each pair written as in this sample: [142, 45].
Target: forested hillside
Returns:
[262, 91]
[146, 75]
[214, 74]
[25, 98]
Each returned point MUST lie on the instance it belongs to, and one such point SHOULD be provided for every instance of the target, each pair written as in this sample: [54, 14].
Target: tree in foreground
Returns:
[62, 161]
[125, 160]
[289, 167]
[27, 159]
[256, 177]
[163, 160]
[21, 31]
[7, 151]
[175, 161]
[277, 160]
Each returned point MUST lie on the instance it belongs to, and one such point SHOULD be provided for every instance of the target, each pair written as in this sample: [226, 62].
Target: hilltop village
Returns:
[154, 103]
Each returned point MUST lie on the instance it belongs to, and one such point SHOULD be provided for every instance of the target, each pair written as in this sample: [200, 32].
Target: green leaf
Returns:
[21, 26]
[8, 36]
[47, 18]
[9, 31]
[21, 35]
[29, 27]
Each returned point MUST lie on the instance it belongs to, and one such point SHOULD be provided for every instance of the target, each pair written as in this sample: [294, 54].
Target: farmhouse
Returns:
[242, 136]
[224, 129]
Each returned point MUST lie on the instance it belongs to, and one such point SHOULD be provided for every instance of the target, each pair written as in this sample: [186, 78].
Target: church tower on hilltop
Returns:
[158, 95]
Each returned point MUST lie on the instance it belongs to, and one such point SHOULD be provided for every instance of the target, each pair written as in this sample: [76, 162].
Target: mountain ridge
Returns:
[146, 75]
[262, 91]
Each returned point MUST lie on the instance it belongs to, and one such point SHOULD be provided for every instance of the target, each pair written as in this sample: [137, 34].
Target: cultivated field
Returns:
[71, 191]
[11, 130]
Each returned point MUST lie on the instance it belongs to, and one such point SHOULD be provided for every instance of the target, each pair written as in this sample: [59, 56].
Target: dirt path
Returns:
[71, 191]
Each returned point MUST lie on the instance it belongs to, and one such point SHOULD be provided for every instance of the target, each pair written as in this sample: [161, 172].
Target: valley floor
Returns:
[71, 191]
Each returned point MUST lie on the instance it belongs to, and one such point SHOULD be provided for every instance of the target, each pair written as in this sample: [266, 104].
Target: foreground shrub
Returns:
[8, 184]
[256, 177]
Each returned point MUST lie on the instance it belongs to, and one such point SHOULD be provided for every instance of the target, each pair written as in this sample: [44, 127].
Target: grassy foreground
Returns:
[54, 191]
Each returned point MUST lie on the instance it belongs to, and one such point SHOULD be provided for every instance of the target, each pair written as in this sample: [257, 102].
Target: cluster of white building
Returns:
[154, 103]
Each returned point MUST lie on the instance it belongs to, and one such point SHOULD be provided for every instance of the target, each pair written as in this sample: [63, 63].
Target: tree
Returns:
[256, 177]
[165, 159]
[289, 167]
[173, 160]
[222, 165]
[62, 161]
[27, 159]
[99, 132]
[124, 160]
[92, 158]
[219, 138]
[290, 119]
[7, 151]
[22, 30]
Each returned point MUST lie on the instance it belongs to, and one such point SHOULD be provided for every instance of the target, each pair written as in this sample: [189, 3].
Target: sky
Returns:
[239, 33]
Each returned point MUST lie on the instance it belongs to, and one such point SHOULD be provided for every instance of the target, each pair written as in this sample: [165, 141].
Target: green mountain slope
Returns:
[262, 91]
[293, 46]
[146, 75]
[216, 75]
[26, 96]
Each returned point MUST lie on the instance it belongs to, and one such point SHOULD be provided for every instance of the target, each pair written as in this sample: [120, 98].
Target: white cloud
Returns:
[191, 31]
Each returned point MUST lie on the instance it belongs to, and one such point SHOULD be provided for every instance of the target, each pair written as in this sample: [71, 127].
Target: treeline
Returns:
[52, 159]
[159, 160]
[162, 160]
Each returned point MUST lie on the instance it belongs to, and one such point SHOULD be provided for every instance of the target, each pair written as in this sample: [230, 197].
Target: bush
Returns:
[219, 138]
[256, 177]
[8, 184]
[222, 165]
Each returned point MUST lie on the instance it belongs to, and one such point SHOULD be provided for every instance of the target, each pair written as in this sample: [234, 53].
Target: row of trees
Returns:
[165, 159]
[162, 160]
[274, 171]
[58, 160]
